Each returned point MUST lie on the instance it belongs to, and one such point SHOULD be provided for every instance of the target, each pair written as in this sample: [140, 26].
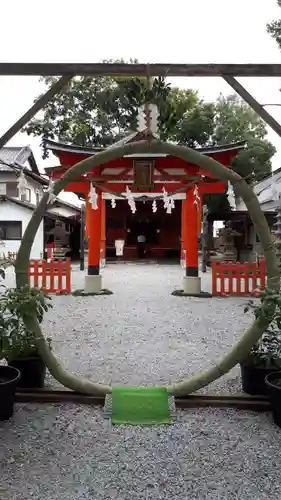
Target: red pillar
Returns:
[94, 235]
[191, 235]
[103, 230]
[183, 229]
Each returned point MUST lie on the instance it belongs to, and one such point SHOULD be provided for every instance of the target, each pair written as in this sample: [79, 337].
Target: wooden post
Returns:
[191, 235]
[103, 233]
[183, 231]
[93, 218]
[255, 105]
[205, 239]
[82, 238]
[37, 106]
[191, 280]
[94, 239]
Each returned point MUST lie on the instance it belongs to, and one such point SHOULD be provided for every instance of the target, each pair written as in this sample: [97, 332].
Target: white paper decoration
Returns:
[93, 197]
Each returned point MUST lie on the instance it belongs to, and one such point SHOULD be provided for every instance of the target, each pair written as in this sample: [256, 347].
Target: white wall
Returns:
[32, 184]
[13, 212]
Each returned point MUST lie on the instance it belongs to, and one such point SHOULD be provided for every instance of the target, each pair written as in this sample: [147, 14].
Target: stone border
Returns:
[202, 295]
[82, 293]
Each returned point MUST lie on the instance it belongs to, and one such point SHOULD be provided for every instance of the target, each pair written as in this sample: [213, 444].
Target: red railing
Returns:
[237, 279]
[52, 277]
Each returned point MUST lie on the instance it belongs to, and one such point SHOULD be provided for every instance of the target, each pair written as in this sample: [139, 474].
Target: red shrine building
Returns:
[165, 208]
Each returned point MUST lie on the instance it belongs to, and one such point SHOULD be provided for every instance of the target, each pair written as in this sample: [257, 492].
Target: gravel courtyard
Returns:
[141, 335]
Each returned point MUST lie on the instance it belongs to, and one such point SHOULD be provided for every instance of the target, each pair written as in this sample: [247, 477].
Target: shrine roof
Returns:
[61, 147]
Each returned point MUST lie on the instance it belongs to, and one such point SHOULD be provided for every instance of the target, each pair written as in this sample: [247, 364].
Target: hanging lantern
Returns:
[154, 206]
[22, 184]
[172, 203]
[113, 202]
[93, 197]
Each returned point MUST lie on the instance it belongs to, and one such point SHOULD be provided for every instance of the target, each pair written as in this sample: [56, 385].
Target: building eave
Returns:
[61, 147]
[30, 206]
[21, 203]
[67, 148]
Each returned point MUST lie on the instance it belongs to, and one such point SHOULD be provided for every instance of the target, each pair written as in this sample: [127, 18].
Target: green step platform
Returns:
[140, 406]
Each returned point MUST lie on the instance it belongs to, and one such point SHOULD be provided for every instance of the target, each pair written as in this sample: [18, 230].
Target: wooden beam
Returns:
[46, 396]
[255, 105]
[37, 106]
[212, 187]
[155, 69]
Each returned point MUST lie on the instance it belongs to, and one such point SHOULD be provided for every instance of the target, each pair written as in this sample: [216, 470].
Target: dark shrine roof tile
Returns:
[212, 149]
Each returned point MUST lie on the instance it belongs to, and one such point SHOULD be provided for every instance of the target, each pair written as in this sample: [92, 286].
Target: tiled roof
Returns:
[11, 155]
[136, 136]
[17, 155]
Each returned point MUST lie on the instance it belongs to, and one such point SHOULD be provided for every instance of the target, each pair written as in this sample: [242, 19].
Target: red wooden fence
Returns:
[52, 277]
[236, 279]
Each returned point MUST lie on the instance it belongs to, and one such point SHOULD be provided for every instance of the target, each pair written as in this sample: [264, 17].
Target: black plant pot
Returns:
[33, 371]
[9, 378]
[253, 379]
[273, 383]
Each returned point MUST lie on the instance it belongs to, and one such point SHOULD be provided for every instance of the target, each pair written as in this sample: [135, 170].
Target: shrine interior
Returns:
[162, 231]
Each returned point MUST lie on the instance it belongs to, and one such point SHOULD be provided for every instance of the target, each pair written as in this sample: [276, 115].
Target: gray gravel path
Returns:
[72, 453]
[142, 334]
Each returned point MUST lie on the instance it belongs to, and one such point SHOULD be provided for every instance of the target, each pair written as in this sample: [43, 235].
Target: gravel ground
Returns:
[141, 335]
[72, 453]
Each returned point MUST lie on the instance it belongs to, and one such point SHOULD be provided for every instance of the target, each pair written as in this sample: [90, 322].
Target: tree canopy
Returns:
[101, 110]
[274, 28]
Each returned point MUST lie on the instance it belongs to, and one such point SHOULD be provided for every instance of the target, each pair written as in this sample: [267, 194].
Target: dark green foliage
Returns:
[15, 305]
[274, 28]
[99, 111]
[267, 351]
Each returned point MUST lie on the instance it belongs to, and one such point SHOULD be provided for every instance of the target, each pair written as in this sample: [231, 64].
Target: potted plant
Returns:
[273, 383]
[18, 344]
[265, 355]
[9, 377]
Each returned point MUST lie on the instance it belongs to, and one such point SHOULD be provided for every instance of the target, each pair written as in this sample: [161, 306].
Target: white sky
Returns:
[181, 31]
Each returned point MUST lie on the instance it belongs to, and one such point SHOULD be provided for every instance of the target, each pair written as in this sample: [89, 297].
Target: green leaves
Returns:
[99, 111]
[267, 351]
[274, 28]
[16, 305]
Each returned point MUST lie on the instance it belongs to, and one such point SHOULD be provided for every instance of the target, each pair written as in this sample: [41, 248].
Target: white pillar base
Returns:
[192, 285]
[93, 283]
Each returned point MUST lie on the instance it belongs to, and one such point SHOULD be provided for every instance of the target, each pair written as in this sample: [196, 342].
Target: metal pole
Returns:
[204, 238]
[82, 238]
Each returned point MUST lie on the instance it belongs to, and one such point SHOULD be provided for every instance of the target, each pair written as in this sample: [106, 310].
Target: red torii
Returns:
[161, 171]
